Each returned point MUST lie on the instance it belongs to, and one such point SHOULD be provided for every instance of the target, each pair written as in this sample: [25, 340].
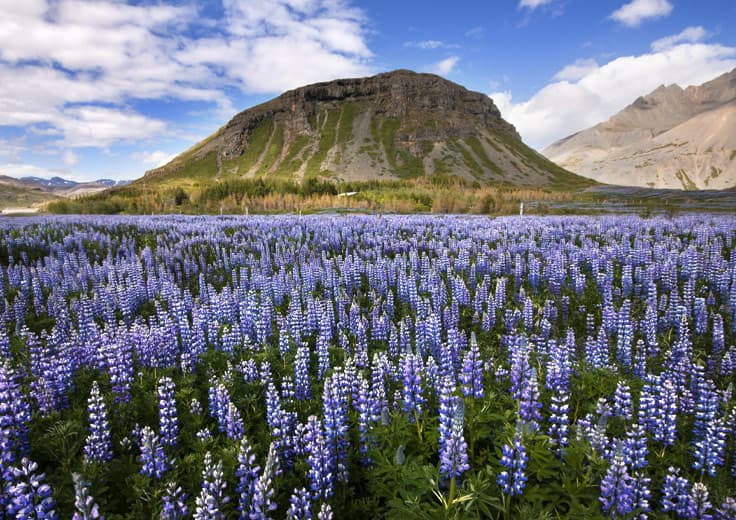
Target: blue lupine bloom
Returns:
[98, 447]
[676, 494]
[247, 475]
[641, 494]
[617, 490]
[300, 507]
[635, 449]
[168, 421]
[321, 465]
[513, 479]
[471, 375]
[28, 496]
[454, 453]
[152, 456]
[262, 501]
[559, 418]
[212, 496]
[174, 505]
[622, 404]
[411, 376]
[700, 502]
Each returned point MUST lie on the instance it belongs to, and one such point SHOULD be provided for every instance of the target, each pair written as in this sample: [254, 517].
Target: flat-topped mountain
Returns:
[398, 124]
[670, 138]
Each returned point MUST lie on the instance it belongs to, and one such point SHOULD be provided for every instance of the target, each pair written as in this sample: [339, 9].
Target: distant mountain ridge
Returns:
[396, 125]
[670, 138]
[31, 190]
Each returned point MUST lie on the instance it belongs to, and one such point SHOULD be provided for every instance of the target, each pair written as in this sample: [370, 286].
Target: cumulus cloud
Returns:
[155, 159]
[577, 70]
[71, 68]
[636, 11]
[444, 67]
[573, 102]
[688, 35]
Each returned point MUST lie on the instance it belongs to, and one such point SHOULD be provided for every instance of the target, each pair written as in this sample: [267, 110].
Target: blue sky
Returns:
[93, 89]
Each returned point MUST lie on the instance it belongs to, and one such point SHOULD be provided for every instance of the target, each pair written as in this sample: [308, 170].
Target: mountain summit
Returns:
[399, 124]
[670, 138]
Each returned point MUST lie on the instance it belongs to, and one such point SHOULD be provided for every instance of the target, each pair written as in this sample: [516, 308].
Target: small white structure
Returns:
[521, 209]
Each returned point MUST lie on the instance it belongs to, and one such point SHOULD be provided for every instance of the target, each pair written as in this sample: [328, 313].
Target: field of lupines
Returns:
[367, 367]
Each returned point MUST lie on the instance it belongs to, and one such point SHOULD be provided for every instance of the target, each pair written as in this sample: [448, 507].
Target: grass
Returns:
[327, 138]
[480, 153]
[273, 150]
[256, 144]
[292, 161]
[685, 180]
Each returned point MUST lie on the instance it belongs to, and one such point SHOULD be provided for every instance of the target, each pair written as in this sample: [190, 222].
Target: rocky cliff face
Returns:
[670, 138]
[399, 124]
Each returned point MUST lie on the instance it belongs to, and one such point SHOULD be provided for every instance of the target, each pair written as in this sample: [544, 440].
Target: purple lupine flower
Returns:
[300, 507]
[321, 472]
[622, 404]
[219, 401]
[641, 495]
[454, 451]
[233, 423]
[167, 416]
[559, 418]
[28, 496]
[335, 409]
[471, 375]
[635, 449]
[152, 457]
[85, 507]
[529, 404]
[367, 416]
[301, 372]
[700, 501]
[212, 497]
[98, 446]
[664, 424]
[727, 511]
[676, 494]
[513, 479]
[174, 503]
[247, 475]
[411, 376]
[195, 407]
[617, 488]
[710, 447]
[262, 501]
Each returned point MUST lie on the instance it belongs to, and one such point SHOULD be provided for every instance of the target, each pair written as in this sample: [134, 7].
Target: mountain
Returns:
[32, 191]
[396, 125]
[670, 138]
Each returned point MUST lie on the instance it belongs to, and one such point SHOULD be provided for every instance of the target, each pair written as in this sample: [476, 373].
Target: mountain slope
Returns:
[671, 138]
[26, 192]
[397, 125]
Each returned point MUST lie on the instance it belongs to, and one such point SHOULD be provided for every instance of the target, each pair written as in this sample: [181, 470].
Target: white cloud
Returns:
[19, 169]
[577, 70]
[69, 158]
[567, 106]
[533, 4]
[71, 68]
[444, 67]
[155, 159]
[431, 44]
[636, 11]
[688, 35]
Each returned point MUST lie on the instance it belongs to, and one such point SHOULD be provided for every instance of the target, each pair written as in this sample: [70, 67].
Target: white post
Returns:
[521, 209]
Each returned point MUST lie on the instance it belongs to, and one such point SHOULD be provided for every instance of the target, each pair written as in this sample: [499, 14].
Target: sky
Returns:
[92, 89]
